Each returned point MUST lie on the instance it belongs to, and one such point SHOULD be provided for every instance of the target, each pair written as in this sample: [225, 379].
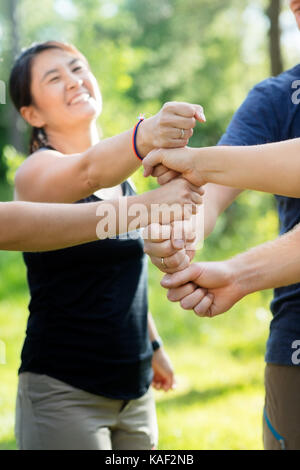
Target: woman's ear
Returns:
[32, 116]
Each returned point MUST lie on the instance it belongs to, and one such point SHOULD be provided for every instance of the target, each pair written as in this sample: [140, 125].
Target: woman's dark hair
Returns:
[20, 83]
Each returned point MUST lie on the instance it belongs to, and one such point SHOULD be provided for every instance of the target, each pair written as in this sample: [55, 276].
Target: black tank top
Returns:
[88, 316]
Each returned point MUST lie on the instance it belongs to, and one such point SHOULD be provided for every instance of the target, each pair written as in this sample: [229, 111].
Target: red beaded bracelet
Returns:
[134, 134]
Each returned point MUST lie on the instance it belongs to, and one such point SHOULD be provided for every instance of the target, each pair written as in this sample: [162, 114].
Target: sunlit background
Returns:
[144, 53]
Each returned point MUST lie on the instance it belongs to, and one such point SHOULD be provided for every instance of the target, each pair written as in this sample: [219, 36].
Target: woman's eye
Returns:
[77, 68]
[54, 79]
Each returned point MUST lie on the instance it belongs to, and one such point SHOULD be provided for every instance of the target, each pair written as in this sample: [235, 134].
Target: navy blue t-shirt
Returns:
[270, 113]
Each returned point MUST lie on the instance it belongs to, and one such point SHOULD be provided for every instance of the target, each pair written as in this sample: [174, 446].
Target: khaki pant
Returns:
[52, 415]
[282, 406]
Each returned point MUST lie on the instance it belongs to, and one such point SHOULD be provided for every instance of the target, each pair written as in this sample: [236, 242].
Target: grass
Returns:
[218, 403]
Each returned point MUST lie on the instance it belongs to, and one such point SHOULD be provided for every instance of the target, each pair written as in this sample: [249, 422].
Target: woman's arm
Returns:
[273, 168]
[163, 372]
[38, 227]
[51, 176]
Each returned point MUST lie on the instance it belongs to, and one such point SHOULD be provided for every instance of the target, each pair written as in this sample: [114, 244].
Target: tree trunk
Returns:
[16, 137]
[276, 61]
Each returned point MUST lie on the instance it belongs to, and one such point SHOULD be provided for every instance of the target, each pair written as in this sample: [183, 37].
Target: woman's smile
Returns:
[80, 98]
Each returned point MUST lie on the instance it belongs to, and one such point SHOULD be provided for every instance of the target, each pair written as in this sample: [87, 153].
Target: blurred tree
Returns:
[16, 137]
[4, 135]
[10, 122]
[273, 12]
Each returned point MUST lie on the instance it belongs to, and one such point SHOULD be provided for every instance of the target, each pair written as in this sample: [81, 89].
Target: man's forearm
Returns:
[272, 168]
[270, 265]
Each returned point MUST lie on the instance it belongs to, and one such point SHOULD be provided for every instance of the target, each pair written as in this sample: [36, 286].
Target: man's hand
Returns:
[184, 161]
[207, 288]
[163, 371]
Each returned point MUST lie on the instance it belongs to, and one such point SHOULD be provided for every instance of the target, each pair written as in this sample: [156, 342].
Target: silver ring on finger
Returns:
[163, 263]
[182, 133]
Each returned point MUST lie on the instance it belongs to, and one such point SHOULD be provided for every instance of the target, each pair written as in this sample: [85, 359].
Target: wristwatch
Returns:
[156, 344]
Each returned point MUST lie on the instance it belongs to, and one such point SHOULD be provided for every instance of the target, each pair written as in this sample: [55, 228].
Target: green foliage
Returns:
[12, 160]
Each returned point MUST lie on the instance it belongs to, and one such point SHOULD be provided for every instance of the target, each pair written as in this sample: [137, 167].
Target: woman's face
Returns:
[64, 90]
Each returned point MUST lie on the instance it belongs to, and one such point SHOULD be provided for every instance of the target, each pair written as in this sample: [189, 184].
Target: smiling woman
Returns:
[87, 361]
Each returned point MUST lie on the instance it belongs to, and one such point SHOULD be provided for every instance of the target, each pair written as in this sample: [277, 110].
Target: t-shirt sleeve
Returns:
[256, 121]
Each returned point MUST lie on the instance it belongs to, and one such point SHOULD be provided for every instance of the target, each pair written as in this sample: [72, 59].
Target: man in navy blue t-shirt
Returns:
[271, 113]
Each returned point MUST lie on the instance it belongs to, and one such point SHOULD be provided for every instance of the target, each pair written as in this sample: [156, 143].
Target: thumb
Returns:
[182, 233]
[151, 160]
[199, 113]
[214, 274]
[192, 272]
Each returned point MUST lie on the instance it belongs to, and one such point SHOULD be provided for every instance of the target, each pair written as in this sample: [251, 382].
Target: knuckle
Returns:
[171, 296]
[197, 312]
[187, 211]
[168, 106]
[179, 184]
[167, 250]
[187, 196]
[174, 261]
[147, 248]
[155, 261]
[188, 108]
[170, 270]
[184, 304]
[156, 172]
[161, 180]
[182, 266]
[185, 185]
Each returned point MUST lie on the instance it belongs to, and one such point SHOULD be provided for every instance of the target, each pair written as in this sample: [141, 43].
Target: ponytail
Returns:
[38, 139]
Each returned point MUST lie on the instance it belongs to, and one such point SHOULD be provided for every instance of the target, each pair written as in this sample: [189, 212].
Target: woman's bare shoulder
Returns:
[36, 160]
[33, 165]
